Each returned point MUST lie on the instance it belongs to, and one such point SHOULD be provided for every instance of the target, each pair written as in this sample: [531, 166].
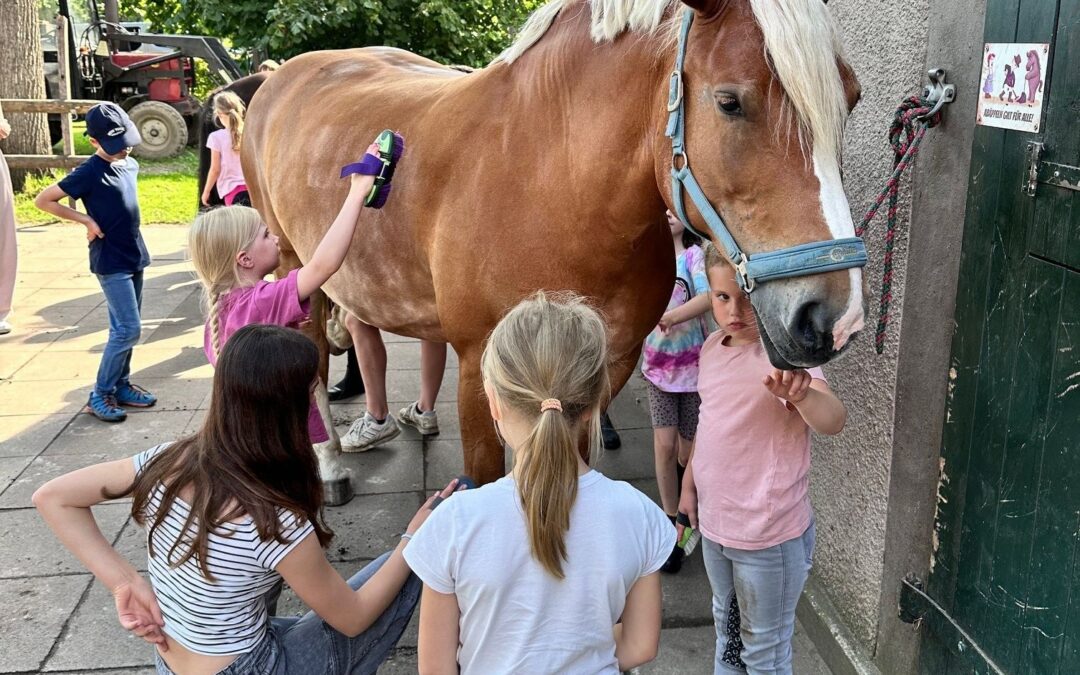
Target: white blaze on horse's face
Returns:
[837, 213]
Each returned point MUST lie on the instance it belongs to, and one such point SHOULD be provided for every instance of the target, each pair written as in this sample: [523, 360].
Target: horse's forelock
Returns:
[803, 45]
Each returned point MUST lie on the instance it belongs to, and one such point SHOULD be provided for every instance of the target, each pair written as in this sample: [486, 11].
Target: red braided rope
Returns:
[906, 133]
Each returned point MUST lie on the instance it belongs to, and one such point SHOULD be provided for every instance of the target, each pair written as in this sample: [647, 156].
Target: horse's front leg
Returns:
[484, 454]
[336, 481]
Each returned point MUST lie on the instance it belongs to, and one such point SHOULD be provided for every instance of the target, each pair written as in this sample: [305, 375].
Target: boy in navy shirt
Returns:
[106, 185]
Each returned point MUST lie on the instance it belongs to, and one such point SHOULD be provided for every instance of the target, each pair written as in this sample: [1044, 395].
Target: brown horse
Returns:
[549, 169]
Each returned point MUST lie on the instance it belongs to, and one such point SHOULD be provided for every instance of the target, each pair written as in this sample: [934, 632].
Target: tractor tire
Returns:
[163, 129]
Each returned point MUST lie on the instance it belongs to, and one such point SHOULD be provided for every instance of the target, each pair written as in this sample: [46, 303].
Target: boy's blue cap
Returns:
[110, 126]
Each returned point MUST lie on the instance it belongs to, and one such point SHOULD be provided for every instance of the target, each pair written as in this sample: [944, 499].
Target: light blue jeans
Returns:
[308, 645]
[754, 599]
[123, 294]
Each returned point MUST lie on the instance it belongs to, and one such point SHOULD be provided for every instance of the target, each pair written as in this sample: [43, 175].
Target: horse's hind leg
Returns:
[484, 454]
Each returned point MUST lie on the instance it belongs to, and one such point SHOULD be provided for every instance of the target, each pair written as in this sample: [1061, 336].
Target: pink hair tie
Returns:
[550, 404]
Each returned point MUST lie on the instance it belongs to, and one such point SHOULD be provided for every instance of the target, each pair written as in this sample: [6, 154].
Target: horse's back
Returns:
[319, 112]
[356, 69]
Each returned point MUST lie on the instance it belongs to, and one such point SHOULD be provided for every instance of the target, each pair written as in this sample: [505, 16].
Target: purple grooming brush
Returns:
[381, 194]
[382, 167]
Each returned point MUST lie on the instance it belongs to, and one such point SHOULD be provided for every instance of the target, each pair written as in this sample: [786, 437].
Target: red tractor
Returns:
[148, 74]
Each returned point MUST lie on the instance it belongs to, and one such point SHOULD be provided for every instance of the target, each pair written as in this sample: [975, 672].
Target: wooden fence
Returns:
[65, 106]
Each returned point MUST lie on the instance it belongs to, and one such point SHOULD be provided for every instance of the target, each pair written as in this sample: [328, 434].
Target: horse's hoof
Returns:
[337, 491]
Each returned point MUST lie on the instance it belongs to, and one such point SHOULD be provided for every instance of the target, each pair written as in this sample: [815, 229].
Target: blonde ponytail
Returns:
[229, 104]
[550, 347]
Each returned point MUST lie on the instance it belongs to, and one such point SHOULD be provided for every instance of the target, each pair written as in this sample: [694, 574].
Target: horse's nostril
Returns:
[812, 327]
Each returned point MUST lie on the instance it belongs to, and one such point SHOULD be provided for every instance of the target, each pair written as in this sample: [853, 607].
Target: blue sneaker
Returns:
[105, 408]
[134, 396]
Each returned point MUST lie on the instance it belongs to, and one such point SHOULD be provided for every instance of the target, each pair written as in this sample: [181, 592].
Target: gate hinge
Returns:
[1031, 161]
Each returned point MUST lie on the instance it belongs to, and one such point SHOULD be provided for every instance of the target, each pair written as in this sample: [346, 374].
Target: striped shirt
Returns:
[228, 615]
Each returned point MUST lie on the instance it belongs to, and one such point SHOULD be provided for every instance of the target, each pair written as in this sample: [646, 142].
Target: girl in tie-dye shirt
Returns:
[670, 367]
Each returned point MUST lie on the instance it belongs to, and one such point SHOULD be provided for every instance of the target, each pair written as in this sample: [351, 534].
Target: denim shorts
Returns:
[308, 645]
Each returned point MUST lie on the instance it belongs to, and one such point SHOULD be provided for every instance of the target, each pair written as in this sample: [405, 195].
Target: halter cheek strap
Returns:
[750, 270]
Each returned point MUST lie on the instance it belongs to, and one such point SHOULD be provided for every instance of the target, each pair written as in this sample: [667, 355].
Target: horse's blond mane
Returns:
[801, 43]
[610, 18]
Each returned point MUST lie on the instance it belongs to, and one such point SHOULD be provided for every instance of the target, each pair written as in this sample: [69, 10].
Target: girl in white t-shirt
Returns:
[225, 172]
[531, 573]
[229, 512]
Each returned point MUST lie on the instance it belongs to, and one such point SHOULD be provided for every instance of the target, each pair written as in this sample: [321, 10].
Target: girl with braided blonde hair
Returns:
[552, 568]
[233, 251]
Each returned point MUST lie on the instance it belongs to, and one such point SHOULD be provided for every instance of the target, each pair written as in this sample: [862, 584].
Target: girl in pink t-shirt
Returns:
[746, 486]
[233, 251]
[225, 172]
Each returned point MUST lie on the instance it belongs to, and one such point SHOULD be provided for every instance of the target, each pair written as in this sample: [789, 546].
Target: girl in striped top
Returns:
[228, 513]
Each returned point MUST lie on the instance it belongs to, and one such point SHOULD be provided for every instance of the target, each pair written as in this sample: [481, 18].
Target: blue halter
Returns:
[795, 261]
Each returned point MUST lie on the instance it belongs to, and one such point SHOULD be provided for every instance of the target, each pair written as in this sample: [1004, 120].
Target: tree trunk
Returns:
[22, 75]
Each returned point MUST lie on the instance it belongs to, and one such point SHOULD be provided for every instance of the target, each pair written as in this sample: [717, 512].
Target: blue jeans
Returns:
[754, 599]
[123, 294]
[308, 645]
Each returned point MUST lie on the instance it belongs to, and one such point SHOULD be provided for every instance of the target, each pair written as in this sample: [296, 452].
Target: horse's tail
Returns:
[245, 88]
[205, 121]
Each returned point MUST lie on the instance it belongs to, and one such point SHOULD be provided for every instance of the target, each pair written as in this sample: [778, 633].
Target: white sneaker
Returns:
[427, 423]
[365, 433]
[5, 327]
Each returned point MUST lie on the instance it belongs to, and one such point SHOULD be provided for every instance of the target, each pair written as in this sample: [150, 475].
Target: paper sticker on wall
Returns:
[1012, 85]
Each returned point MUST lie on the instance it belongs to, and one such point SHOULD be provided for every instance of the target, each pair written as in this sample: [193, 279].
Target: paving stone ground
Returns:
[57, 620]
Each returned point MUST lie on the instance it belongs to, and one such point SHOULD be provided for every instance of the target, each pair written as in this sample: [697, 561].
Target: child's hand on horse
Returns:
[790, 385]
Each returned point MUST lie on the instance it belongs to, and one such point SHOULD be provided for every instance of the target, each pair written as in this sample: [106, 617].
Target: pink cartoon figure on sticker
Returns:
[988, 83]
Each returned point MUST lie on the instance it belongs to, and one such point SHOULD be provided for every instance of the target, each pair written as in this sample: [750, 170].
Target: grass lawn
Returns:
[167, 187]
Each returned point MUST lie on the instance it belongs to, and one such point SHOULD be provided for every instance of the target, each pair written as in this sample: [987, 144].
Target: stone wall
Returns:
[885, 44]
[873, 486]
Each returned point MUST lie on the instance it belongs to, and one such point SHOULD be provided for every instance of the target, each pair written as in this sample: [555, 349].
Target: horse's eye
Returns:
[728, 103]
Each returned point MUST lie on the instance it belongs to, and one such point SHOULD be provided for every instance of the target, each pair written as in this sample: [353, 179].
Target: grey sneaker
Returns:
[365, 433]
[427, 423]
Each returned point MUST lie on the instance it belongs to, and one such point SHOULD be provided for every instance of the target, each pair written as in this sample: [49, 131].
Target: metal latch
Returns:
[1048, 173]
[938, 92]
[1060, 175]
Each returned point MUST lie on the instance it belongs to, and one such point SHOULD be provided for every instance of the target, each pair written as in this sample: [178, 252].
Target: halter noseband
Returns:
[794, 261]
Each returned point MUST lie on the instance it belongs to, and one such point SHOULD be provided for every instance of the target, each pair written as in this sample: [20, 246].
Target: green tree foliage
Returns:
[469, 32]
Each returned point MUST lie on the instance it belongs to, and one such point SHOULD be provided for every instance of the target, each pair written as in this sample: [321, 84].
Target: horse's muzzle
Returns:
[796, 318]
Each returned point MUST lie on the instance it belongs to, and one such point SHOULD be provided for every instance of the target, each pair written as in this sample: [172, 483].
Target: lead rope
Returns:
[910, 123]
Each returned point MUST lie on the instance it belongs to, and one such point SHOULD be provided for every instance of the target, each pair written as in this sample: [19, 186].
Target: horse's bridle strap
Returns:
[803, 259]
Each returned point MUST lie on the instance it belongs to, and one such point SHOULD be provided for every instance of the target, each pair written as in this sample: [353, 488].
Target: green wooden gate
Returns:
[1005, 580]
